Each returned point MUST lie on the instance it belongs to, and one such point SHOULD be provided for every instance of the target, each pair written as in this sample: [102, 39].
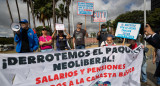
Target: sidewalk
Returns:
[150, 72]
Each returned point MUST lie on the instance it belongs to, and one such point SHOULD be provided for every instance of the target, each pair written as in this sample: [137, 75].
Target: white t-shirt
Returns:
[104, 43]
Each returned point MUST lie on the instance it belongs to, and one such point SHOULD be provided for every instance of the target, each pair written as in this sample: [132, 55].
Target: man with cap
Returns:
[45, 41]
[25, 38]
[79, 37]
[102, 35]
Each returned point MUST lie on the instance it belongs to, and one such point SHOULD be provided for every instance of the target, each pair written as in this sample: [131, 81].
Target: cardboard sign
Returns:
[99, 16]
[127, 30]
[85, 8]
[59, 26]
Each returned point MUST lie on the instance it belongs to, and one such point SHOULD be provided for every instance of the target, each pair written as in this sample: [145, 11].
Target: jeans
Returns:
[80, 47]
[47, 50]
[158, 78]
[143, 71]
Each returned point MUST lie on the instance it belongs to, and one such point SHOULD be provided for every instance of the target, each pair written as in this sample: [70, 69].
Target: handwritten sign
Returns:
[59, 26]
[99, 16]
[85, 8]
[127, 30]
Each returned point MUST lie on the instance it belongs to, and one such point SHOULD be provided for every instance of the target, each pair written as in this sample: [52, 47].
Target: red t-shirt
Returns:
[134, 46]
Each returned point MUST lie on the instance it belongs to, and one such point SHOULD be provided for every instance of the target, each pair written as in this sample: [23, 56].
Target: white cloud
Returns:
[114, 8]
[141, 7]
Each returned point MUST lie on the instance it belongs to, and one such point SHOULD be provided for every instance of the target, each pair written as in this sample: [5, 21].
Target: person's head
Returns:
[132, 42]
[60, 33]
[79, 25]
[44, 31]
[109, 40]
[24, 23]
[103, 27]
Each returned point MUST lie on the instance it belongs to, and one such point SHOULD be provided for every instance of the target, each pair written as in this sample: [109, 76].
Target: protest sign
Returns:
[59, 26]
[127, 30]
[109, 66]
[99, 16]
[85, 8]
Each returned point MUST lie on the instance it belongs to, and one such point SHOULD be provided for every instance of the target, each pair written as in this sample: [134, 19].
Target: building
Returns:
[155, 4]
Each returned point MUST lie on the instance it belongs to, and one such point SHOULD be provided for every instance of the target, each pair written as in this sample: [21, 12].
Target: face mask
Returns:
[104, 29]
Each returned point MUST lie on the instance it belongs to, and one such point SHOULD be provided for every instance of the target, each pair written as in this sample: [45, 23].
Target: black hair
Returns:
[103, 25]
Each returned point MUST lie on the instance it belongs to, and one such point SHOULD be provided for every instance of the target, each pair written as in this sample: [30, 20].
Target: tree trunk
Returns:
[50, 23]
[32, 10]
[18, 10]
[11, 20]
[28, 14]
[57, 19]
[9, 11]
[62, 20]
[43, 21]
[50, 32]
[68, 19]
[54, 13]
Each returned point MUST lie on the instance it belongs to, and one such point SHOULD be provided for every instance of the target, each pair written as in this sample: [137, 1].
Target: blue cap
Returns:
[23, 21]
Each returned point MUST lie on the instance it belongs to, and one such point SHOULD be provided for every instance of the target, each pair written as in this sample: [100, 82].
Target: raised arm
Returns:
[68, 36]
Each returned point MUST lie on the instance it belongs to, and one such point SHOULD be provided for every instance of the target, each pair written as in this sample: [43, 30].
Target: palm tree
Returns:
[43, 10]
[9, 11]
[28, 13]
[57, 13]
[28, 5]
[68, 2]
[32, 10]
[11, 20]
[18, 10]
[54, 15]
[62, 13]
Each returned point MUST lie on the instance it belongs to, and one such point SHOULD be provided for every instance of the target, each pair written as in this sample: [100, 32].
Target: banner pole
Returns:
[85, 22]
[123, 41]
[99, 27]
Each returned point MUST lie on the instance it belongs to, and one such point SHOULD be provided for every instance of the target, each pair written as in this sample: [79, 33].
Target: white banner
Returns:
[106, 66]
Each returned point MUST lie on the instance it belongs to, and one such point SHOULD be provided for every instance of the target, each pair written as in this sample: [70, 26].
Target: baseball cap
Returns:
[79, 23]
[23, 21]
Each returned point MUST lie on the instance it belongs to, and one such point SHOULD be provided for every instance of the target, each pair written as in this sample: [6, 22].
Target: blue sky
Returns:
[114, 8]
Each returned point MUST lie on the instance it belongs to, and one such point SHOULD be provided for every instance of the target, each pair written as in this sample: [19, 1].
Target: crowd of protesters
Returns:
[27, 41]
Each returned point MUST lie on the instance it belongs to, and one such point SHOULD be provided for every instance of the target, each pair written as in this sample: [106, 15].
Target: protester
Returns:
[153, 39]
[133, 45]
[61, 40]
[45, 41]
[156, 59]
[102, 35]
[26, 40]
[78, 37]
[108, 42]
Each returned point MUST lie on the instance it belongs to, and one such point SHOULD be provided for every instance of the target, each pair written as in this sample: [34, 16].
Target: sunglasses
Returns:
[44, 30]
